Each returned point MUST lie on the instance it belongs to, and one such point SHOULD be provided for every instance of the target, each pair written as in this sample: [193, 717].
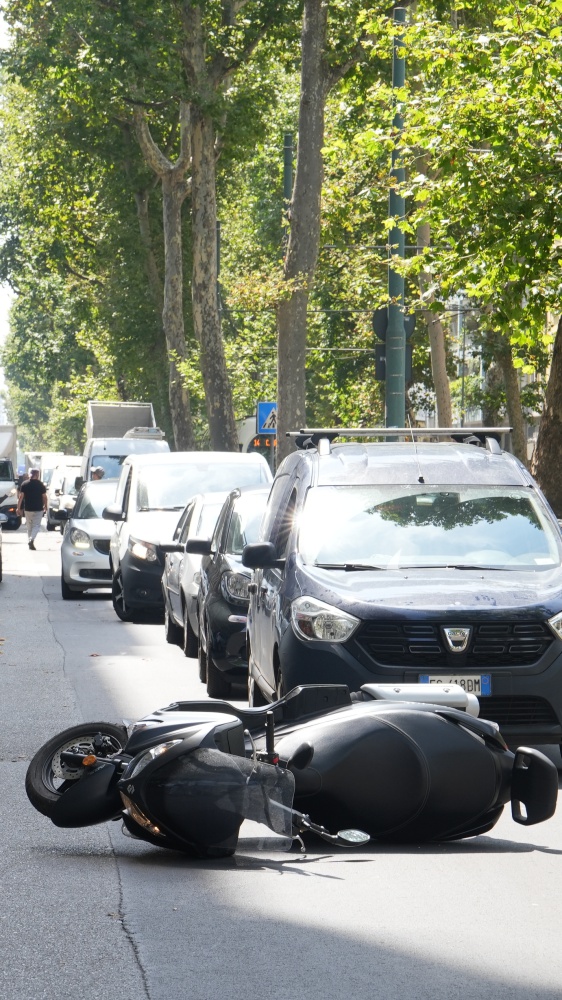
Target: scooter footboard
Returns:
[534, 787]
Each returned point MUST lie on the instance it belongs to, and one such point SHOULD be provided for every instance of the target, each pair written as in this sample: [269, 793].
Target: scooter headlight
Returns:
[138, 816]
[313, 619]
[148, 756]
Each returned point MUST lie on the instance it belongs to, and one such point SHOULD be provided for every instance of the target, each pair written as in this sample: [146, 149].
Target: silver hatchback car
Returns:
[85, 543]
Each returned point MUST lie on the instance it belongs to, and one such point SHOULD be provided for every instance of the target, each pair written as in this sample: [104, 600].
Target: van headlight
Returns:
[555, 624]
[313, 619]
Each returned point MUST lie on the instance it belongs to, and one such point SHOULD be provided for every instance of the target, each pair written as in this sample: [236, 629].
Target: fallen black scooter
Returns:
[387, 763]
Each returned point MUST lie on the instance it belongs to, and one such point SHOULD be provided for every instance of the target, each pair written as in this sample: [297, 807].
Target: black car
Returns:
[223, 591]
[403, 562]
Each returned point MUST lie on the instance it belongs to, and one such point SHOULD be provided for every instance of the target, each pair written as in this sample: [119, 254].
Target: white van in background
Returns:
[47, 465]
[61, 491]
[109, 453]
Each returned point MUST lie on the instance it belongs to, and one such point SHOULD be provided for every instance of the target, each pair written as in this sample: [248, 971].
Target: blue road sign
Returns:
[266, 418]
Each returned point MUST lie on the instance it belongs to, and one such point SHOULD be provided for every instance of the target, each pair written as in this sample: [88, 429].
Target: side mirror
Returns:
[61, 515]
[57, 493]
[261, 555]
[113, 512]
[171, 547]
[198, 546]
[78, 482]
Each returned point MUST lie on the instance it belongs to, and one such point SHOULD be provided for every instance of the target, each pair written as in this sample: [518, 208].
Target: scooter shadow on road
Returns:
[301, 864]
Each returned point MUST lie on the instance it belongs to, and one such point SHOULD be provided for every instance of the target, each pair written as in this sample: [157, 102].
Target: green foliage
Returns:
[481, 147]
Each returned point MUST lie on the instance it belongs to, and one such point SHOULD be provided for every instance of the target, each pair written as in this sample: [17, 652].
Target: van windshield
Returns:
[111, 464]
[169, 487]
[394, 527]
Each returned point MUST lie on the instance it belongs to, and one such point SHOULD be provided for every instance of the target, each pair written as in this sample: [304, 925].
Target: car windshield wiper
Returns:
[348, 567]
[450, 566]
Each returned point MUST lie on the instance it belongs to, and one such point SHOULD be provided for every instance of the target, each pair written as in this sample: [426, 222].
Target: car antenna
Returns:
[420, 477]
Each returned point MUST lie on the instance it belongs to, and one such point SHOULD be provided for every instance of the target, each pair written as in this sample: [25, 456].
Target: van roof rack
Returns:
[491, 438]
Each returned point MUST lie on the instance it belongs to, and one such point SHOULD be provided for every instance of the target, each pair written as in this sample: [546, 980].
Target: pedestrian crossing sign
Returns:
[266, 418]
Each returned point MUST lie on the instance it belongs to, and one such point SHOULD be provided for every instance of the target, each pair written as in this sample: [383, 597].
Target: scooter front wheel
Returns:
[48, 776]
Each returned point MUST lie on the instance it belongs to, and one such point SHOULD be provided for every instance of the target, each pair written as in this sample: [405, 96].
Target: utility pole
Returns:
[395, 397]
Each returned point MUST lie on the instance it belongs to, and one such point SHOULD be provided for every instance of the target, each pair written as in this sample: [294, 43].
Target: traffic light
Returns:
[380, 324]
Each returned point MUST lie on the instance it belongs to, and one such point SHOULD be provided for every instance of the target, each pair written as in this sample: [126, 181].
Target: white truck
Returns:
[115, 430]
[47, 465]
[8, 459]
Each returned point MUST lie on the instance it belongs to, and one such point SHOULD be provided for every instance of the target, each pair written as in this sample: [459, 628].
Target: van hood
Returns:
[425, 592]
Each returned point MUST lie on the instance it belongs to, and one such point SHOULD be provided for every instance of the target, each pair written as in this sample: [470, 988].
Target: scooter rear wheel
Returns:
[48, 777]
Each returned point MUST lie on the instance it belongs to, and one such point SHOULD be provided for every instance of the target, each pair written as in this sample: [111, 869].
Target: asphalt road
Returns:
[88, 913]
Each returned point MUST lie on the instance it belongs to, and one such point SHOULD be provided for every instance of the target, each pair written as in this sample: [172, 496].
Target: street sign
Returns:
[266, 418]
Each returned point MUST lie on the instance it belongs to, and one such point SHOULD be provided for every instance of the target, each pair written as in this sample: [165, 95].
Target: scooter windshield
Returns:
[206, 795]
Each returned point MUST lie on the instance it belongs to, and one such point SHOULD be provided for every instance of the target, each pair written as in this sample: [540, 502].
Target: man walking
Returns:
[32, 500]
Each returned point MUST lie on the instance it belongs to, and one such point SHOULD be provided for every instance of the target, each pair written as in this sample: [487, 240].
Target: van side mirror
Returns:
[78, 482]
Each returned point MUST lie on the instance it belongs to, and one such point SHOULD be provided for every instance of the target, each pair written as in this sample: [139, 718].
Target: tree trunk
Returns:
[173, 195]
[490, 409]
[546, 460]
[157, 294]
[174, 191]
[304, 236]
[513, 400]
[204, 289]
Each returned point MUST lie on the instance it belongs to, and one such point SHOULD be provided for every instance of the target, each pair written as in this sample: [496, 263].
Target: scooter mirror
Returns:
[354, 836]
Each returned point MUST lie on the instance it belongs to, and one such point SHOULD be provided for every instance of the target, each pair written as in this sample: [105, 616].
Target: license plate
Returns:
[478, 684]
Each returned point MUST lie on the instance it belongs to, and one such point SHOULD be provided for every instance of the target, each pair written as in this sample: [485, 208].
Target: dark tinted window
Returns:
[245, 522]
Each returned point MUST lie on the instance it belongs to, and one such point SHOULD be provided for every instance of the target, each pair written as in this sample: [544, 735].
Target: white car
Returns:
[180, 580]
[62, 492]
[85, 543]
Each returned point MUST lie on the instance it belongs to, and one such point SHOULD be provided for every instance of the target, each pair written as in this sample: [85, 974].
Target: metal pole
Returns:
[395, 337]
[462, 328]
